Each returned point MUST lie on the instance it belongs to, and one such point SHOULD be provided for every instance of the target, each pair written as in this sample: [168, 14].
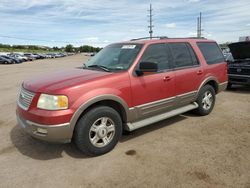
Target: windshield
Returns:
[115, 57]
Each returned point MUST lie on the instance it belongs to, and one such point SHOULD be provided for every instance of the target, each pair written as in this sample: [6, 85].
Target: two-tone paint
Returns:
[139, 99]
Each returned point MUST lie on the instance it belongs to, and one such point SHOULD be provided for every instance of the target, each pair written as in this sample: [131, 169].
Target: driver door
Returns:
[154, 93]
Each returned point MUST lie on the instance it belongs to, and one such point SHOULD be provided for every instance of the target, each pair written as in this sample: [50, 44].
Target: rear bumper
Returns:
[60, 133]
[239, 79]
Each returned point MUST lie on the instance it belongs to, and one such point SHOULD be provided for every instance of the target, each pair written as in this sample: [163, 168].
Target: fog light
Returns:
[42, 131]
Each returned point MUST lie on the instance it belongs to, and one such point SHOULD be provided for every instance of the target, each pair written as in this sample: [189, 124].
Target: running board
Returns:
[154, 119]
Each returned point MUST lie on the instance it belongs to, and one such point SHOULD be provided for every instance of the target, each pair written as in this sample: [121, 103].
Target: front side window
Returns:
[115, 57]
[158, 54]
[211, 52]
[182, 55]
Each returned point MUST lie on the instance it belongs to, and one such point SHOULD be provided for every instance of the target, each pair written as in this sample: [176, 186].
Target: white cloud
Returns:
[92, 39]
[192, 34]
[171, 25]
[97, 21]
[137, 30]
[193, 1]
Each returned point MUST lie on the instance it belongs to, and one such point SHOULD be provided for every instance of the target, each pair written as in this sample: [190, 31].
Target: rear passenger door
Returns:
[188, 72]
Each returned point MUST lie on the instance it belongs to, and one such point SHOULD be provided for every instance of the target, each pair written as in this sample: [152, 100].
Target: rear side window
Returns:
[157, 53]
[211, 52]
[183, 55]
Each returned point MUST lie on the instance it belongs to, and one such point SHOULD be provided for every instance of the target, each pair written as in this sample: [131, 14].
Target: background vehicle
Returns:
[39, 56]
[6, 61]
[125, 86]
[30, 56]
[239, 65]
[18, 56]
[12, 58]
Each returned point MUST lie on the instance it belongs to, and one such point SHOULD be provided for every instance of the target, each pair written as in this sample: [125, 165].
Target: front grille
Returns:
[240, 71]
[25, 98]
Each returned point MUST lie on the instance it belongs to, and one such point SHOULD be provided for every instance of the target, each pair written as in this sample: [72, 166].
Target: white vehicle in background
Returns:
[19, 56]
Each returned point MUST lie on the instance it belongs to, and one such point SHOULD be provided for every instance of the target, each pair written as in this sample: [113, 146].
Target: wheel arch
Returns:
[210, 81]
[112, 101]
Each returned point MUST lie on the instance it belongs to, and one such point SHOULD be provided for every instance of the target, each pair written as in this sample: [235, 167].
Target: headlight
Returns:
[52, 102]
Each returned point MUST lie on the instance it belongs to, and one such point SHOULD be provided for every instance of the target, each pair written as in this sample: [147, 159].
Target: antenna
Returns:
[150, 22]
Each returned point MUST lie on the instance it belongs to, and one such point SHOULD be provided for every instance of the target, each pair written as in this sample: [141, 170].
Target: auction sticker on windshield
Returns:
[128, 46]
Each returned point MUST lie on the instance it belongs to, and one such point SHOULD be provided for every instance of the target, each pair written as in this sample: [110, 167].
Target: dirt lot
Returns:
[184, 151]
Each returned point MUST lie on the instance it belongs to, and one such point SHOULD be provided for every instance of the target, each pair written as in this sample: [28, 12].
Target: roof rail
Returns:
[157, 37]
[197, 38]
[165, 37]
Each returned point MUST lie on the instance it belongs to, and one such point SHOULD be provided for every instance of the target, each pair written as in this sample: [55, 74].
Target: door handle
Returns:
[199, 72]
[167, 78]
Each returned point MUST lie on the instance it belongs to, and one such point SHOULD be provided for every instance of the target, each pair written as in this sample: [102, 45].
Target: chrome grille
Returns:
[25, 98]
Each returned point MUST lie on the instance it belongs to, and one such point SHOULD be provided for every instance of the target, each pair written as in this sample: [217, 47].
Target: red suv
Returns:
[125, 86]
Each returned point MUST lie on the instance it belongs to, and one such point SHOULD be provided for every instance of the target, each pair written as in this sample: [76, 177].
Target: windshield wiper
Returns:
[100, 67]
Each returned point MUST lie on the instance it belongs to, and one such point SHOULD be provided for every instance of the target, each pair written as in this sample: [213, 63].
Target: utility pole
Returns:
[199, 29]
[150, 22]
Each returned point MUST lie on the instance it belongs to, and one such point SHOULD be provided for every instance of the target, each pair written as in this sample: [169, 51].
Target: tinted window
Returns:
[182, 54]
[211, 52]
[193, 56]
[157, 53]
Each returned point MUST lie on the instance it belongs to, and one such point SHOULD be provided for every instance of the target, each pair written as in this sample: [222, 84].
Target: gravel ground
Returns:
[184, 151]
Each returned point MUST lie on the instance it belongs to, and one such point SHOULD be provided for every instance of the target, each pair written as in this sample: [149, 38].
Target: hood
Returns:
[240, 50]
[62, 79]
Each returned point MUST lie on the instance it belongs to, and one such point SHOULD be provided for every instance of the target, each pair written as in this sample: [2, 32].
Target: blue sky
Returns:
[100, 22]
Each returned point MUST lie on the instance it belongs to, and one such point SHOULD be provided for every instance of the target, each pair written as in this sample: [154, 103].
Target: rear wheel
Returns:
[206, 100]
[98, 131]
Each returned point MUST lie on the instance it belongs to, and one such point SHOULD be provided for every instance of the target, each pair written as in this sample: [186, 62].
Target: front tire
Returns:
[205, 100]
[98, 131]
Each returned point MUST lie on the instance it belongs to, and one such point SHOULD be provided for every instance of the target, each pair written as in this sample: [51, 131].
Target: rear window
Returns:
[211, 52]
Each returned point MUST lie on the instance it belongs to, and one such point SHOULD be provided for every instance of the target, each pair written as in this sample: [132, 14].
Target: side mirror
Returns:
[146, 67]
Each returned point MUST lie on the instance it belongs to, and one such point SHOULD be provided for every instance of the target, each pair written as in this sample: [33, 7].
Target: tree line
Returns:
[84, 48]
[68, 48]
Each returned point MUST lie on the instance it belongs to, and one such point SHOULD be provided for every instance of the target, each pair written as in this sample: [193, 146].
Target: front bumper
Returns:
[60, 133]
[239, 79]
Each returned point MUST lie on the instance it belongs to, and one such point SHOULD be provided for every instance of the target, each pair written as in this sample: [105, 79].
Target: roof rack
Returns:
[165, 37]
[196, 37]
[144, 38]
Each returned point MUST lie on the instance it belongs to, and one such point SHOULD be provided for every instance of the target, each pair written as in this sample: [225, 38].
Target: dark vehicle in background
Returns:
[12, 58]
[39, 56]
[239, 64]
[51, 55]
[6, 61]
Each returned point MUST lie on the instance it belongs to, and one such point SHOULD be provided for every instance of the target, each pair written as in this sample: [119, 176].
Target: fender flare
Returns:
[94, 100]
[208, 79]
